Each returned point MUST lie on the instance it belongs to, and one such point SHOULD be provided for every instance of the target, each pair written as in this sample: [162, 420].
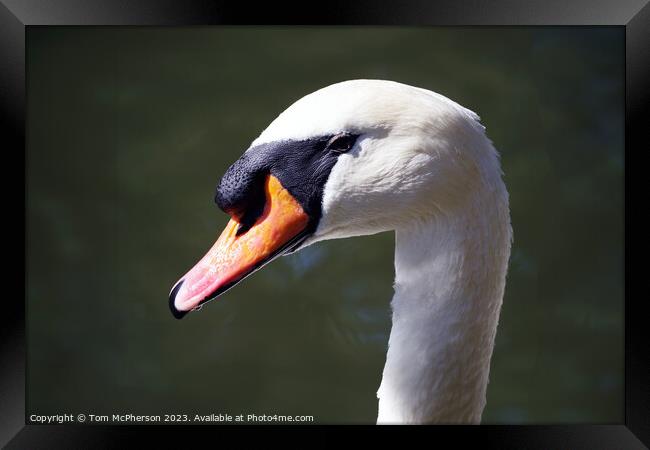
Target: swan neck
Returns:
[449, 282]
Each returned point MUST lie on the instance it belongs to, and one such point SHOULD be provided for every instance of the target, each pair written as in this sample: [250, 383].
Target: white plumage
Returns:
[424, 168]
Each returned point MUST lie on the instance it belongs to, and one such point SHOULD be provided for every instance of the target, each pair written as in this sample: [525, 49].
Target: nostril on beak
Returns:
[253, 212]
[172, 305]
[241, 229]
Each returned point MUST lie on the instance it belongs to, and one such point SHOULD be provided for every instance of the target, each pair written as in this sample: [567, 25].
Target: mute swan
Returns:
[365, 156]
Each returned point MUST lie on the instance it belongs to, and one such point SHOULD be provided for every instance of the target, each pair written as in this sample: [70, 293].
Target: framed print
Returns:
[412, 214]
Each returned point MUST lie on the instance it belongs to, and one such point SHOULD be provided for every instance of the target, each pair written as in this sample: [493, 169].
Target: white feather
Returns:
[424, 168]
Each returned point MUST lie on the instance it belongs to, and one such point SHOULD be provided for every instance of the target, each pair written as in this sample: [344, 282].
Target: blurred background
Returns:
[129, 131]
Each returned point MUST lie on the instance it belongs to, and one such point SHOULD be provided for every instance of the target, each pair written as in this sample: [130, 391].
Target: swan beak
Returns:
[282, 224]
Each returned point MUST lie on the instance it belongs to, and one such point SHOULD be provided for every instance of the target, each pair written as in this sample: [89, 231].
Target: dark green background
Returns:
[129, 130]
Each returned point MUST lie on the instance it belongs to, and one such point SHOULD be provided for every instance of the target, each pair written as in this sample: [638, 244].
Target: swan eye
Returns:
[341, 142]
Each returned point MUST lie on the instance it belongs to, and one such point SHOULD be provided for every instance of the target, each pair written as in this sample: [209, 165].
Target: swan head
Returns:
[354, 158]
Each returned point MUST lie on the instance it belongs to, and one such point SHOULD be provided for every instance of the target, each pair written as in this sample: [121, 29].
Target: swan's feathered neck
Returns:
[449, 280]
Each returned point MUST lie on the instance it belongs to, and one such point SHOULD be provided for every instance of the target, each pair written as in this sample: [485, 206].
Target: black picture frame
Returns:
[17, 15]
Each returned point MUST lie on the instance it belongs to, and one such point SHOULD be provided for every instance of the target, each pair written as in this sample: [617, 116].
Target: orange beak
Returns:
[282, 224]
